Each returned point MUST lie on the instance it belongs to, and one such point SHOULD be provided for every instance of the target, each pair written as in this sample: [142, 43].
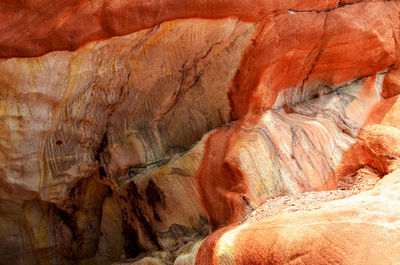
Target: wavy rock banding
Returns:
[147, 132]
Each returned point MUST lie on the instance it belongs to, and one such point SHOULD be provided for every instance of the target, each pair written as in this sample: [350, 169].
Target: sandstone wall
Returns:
[134, 126]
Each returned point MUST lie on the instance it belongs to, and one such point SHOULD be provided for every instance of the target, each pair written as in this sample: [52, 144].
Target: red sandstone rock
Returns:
[300, 94]
[329, 233]
[317, 49]
[391, 85]
[362, 229]
[32, 28]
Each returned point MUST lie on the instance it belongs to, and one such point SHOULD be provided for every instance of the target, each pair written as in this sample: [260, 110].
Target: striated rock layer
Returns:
[133, 129]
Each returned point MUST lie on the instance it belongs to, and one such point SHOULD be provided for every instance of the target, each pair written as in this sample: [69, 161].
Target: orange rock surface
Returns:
[362, 229]
[134, 129]
[32, 28]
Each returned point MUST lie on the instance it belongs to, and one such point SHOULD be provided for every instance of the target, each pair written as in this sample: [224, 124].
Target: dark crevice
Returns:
[131, 247]
[135, 199]
[134, 170]
[246, 200]
[97, 155]
[69, 220]
[155, 196]
[85, 232]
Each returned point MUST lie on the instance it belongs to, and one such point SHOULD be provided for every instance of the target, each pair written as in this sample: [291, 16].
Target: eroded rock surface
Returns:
[131, 130]
[362, 229]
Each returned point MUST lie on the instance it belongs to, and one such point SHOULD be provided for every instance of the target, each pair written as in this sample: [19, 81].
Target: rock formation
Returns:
[147, 132]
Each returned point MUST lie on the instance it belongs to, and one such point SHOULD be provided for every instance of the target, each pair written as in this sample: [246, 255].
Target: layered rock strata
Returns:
[131, 127]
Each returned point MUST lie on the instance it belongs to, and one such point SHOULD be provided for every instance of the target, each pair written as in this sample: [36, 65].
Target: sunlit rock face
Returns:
[131, 130]
[115, 108]
[363, 229]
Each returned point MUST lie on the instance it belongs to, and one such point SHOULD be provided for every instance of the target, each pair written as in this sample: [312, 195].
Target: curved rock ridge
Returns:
[328, 234]
[134, 129]
[306, 154]
[31, 28]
